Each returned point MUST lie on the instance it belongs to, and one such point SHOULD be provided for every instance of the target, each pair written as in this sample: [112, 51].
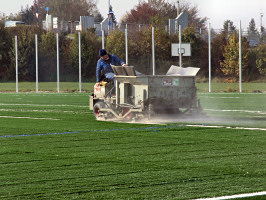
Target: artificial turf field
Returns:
[53, 148]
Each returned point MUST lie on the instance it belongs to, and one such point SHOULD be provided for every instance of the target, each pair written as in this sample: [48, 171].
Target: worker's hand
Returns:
[124, 64]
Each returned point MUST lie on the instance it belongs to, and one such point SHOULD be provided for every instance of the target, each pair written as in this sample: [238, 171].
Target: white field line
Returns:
[252, 129]
[238, 128]
[236, 196]
[246, 111]
[24, 110]
[222, 97]
[62, 105]
[12, 117]
[41, 95]
[224, 93]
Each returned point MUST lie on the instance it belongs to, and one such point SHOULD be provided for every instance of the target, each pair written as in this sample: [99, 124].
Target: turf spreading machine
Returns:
[135, 96]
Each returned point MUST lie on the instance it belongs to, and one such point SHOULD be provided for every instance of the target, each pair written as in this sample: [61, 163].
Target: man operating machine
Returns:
[104, 69]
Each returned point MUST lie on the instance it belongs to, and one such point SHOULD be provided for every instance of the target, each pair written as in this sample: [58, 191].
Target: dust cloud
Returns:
[217, 110]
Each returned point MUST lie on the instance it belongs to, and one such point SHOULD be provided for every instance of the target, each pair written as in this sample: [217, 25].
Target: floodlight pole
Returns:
[180, 46]
[57, 42]
[178, 8]
[240, 57]
[109, 4]
[261, 15]
[102, 39]
[37, 73]
[79, 62]
[16, 49]
[153, 53]
[126, 40]
[210, 74]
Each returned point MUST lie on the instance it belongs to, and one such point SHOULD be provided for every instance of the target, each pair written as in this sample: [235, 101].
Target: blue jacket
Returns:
[105, 67]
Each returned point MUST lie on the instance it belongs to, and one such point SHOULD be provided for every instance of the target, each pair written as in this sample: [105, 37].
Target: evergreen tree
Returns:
[89, 49]
[229, 26]
[27, 15]
[5, 44]
[252, 26]
[261, 59]
[47, 57]
[113, 16]
[26, 55]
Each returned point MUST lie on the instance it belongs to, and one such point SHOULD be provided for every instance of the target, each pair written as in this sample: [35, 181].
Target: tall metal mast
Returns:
[261, 15]
[178, 8]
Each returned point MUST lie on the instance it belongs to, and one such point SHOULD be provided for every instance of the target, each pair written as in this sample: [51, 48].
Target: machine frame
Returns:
[145, 96]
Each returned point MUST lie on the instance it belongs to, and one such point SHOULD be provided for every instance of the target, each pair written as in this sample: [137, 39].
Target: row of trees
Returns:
[153, 12]
[65, 10]
[47, 54]
[156, 12]
[225, 53]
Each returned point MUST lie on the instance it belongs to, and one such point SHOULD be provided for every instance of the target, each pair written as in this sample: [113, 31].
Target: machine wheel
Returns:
[96, 109]
[129, 116]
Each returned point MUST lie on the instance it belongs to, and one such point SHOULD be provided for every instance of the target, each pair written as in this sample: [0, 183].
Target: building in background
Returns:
[14, 23]
[103, 26]
[181, 19]
[85, 23]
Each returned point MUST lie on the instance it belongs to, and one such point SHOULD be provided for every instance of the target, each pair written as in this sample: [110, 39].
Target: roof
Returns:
[13, 23]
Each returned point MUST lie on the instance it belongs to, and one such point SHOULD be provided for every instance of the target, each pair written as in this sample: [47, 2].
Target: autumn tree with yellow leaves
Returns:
[230, 64]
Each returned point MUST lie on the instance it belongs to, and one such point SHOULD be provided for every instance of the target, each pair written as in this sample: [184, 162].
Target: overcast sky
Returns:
[216, 10]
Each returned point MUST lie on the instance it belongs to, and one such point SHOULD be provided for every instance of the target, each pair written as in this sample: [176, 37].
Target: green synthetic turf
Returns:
[225, 87]
[45, 87]
[247, 110]
[74, 87]
[89, 159]
[263, 197]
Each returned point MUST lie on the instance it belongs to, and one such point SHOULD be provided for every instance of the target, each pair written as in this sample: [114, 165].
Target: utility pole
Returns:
[37, 12]
[210, 74]
[153, 52]
[16, 50]
[177, 21]
[240, 58]
[261, 15]
[178, 8]
[109, 17]
[180, 46]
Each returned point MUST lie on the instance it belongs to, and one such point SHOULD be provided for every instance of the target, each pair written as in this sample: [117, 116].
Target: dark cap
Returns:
[102, 52]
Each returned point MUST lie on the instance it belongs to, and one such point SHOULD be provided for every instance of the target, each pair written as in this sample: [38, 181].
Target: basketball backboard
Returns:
[185, 49]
